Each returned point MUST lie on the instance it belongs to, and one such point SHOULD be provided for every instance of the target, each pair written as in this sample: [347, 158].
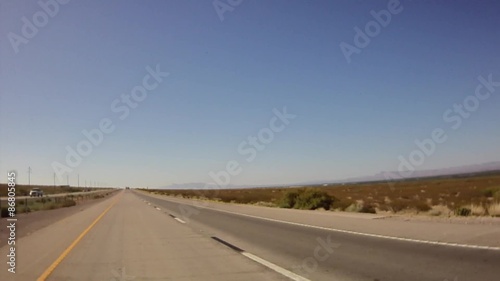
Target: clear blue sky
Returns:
[226, 77]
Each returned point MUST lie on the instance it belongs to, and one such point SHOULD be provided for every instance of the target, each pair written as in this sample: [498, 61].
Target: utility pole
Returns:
[29, 175]
[67, 179]
[54, 179]
[78, 180]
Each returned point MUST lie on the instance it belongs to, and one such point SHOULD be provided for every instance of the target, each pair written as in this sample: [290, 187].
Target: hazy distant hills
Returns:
[466, 169]
[192, 185]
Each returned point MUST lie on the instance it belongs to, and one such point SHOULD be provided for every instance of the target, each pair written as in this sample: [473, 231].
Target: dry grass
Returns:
[24, 190]
[440, 210]
[33, 204]
[494, 210]
[477, 210]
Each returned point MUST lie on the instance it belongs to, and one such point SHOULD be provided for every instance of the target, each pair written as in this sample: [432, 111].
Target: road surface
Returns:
[134, 236]
[130, 241]
[356, 257]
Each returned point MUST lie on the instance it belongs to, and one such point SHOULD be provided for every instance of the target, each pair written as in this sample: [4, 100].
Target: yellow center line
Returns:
[64, 220]
[53, 266]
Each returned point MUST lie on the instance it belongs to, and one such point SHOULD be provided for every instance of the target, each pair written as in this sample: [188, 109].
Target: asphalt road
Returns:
[134, 236]
[348, 257]
[123, 238]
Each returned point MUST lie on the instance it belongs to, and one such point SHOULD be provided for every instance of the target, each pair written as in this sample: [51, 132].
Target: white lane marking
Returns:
[274, 267]
[149, 204]
[375, 235]
[158, 209]
[179, 220]
[449, 244]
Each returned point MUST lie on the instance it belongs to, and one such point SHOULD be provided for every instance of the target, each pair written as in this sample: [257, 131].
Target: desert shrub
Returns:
[368, 208]
[229, 198]
[289, 199]
[496, 195]
[490, 192]
[361, 207]
[463, 211]
[435, 213]
[398, 205]
[422, 206]
[341, 205]
[479, 210]
[494, 210]
[308, 199]
[383, 208]
[311, 199]
[354, 207]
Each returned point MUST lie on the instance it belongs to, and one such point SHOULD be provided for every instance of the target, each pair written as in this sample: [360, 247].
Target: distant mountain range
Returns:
[466, 169]
[192, 185]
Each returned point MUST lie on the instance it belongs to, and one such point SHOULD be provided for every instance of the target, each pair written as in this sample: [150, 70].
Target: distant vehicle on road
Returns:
[36, 192]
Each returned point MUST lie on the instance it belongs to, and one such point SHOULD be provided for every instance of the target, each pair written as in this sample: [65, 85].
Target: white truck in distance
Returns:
[36, 192]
